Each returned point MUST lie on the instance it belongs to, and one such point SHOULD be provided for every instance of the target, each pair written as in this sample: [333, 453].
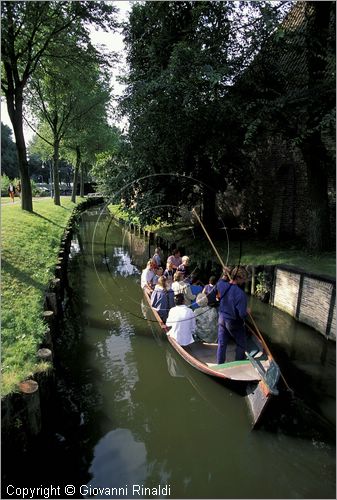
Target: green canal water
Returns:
[130, 414]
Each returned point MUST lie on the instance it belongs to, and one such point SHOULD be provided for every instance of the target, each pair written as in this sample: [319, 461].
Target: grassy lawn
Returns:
[253, 251]
[266, 252]
[30, 245]
[5, 200]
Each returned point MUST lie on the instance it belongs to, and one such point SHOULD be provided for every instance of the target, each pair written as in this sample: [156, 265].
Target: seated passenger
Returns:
[196, 287]
[157, 257]
[162, 299]
[175, 259]
[184, 267]
[158, 271]
[210, 291]
[179, 286]
[182, 321]
[146, 280]
[169, 273]
[206, 320]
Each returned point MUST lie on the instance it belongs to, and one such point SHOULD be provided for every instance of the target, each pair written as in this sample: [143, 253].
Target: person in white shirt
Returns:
[182, 320]
[146, 280]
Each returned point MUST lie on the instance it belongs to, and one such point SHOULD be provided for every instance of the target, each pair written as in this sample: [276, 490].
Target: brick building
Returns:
[289, 92]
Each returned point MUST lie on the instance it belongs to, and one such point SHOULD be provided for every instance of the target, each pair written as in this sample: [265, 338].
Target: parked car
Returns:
[43, 189]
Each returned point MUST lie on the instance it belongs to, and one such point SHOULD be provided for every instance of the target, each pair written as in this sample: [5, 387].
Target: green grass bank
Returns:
[30, 246]
[253, 251]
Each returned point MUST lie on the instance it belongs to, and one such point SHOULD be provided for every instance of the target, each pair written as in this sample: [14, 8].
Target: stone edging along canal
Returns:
[25, 413]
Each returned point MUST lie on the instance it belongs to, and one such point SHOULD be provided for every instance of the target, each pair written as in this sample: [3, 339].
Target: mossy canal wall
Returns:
[25, 412]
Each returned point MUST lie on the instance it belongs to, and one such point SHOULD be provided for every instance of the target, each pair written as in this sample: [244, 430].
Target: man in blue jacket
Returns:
[232, 314]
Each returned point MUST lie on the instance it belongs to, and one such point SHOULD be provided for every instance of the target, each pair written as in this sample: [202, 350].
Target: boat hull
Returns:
[260, 384]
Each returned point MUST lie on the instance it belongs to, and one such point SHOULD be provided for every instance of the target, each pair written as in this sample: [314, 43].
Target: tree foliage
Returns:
[184, 58]
[31, 33]
[289, 93]
[68, 97]
[9, 156]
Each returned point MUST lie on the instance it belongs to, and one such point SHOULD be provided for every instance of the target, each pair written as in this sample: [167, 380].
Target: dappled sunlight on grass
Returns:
[265, 252]
[30, 245]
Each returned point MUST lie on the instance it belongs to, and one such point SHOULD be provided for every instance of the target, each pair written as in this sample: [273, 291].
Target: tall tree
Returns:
[90, 142]
[30, 33]
[111, 168]
[66, 96]
[184, 58]
[89, 133]
[83, 144]
[320, 44]
[289, 92]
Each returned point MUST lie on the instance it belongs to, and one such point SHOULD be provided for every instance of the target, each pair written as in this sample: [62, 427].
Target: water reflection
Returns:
[120, 453]
[124, 267]
[307, 360]
[151, 418]
[173, 366]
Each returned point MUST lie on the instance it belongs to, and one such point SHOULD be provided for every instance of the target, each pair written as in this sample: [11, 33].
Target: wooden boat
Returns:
[259, 372]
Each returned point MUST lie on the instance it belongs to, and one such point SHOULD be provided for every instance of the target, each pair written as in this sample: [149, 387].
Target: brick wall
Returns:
[286, 291]
[309, 298]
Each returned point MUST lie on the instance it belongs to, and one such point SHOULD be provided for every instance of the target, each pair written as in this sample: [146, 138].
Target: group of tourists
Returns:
[212, 313]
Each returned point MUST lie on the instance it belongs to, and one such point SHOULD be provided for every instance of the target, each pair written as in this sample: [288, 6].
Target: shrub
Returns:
[35, 189]
[263, 287]
[5, 181]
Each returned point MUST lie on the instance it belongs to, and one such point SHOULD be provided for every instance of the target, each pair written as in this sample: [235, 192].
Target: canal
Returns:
[129, 414]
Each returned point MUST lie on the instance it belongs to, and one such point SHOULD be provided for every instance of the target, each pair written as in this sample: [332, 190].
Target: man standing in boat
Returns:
[232, 314]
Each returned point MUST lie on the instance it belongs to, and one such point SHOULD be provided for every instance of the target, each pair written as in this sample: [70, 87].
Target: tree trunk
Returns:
[313, 150]
[15, 114]
[76, 171]
[209, 215]
[82, 180]
[57, 200]
[318, 223]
